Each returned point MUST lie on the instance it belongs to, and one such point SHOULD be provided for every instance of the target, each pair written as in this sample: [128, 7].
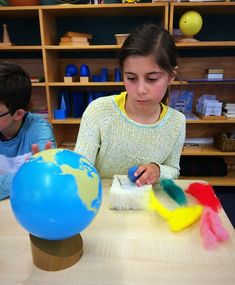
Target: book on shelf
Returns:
[215, 70]
[231, 105]
[229, 115]
[229, 110]
[215, 76]
[80, 35]
[199, 141]
[208, 105]
[73, 40]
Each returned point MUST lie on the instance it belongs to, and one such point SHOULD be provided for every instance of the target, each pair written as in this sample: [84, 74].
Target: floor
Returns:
[227, 199]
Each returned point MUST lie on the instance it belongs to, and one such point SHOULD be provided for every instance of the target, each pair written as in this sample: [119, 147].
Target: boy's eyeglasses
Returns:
[4, 114]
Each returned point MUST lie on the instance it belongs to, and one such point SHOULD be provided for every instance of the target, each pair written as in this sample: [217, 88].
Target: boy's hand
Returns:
[35, 147]
[150, 174]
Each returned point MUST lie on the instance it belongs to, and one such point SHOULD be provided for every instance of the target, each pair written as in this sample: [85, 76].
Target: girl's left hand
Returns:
[150, 174]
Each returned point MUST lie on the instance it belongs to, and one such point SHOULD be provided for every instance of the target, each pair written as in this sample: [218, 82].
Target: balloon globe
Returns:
[190, 23]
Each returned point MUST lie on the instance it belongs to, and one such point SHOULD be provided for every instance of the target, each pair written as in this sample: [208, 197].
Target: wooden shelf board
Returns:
[107, 10]
[205, 44]
[88, 84]
[203, 82]
[19, 11]
[20, 48]
[205, 7]
[82, 47]
[206, 150]
[214, 121]
[38, 84]
[228, 180]
[71, 121]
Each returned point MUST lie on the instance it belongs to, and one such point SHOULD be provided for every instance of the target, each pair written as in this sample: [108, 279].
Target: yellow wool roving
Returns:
[179, 218]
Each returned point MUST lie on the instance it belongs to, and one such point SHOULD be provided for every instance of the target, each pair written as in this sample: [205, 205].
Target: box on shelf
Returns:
[215, 73]
[209, 106]
[225, 142]
[120, 38]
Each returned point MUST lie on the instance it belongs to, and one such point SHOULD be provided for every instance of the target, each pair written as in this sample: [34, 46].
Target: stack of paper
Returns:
[229, 110]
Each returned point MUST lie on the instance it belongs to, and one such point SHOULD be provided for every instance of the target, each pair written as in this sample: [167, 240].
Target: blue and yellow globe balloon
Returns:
[56, 194]
[190, 23]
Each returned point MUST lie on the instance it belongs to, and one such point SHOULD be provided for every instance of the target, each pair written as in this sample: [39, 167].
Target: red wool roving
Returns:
[205, 194]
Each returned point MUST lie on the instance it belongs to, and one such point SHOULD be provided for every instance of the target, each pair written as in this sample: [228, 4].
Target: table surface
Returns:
[122, 248]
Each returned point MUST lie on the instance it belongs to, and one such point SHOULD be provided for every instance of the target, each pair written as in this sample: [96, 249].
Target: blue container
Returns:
[60, 114]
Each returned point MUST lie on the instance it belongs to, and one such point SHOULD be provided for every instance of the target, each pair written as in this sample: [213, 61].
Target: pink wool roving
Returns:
[211, 229]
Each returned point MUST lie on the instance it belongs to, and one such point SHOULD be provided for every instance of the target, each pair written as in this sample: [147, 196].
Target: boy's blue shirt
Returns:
[34, 130]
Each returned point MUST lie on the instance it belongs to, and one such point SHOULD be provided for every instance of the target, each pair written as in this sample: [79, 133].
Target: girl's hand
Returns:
[150, 174]
[35, 148]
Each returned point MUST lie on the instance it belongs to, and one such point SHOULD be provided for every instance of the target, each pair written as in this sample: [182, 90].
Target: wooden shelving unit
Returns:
[46, 57]
[206, 150]
[215, 181]
[53, 54]
[193, 71]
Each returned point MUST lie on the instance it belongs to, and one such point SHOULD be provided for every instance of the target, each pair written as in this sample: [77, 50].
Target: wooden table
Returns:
[131, 248]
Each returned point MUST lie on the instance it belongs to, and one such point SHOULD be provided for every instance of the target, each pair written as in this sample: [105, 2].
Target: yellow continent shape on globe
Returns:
[88, 187]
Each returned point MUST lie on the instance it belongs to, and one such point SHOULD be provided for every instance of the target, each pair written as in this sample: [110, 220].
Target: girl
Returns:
[136, 127]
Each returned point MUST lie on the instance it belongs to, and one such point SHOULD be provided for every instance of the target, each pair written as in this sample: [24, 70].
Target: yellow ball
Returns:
[190, 23]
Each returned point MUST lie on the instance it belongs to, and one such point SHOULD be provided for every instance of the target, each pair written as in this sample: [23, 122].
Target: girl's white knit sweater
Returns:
[113, 142]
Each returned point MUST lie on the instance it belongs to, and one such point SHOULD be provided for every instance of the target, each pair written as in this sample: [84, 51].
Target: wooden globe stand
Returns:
[54, 255]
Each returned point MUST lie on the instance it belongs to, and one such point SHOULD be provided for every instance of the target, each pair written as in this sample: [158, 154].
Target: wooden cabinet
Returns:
[35, 32]
[215, 48]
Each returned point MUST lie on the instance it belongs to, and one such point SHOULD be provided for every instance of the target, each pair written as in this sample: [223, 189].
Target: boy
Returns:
[21, 132]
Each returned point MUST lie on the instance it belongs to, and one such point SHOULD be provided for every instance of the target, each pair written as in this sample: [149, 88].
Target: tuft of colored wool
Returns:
[178, 219]
[205, 194]
[211, 229]
[174, 191]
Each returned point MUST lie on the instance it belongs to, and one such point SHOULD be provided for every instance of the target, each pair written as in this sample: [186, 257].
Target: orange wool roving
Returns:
[205, 194]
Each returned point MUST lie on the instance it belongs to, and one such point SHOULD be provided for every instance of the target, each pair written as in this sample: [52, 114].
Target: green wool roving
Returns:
[174, 191]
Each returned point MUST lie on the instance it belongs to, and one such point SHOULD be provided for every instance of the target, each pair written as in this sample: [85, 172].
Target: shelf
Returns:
[228, 180]
[71, 121]
[206, 44]
[215, 121]
[82, 47]
[203, 82]
[205, 7]
[206, 150]
[19, 11]
[20, 48]
[107, 10]
[88, 84]
[38, 84]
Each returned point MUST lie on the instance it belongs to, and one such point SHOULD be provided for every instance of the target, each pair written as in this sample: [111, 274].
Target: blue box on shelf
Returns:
[60, 114]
